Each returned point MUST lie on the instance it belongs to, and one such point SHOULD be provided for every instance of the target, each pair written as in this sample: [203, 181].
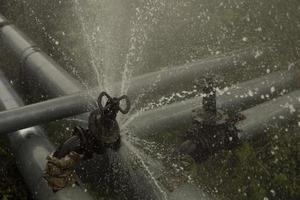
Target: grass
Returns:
[268, 170]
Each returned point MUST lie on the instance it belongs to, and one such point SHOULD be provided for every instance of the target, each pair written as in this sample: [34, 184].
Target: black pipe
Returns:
[31, 147]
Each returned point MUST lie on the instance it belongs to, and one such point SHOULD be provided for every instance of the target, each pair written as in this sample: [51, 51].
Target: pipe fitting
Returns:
[28, 52]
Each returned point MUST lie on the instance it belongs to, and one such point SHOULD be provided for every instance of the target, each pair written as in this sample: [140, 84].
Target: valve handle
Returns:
[124, 97]
[128, 105]
[99, 101]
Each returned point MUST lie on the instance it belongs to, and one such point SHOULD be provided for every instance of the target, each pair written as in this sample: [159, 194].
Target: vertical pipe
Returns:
[31, 147]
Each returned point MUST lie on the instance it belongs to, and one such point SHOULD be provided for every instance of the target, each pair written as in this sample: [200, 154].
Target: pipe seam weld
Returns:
[28, 52]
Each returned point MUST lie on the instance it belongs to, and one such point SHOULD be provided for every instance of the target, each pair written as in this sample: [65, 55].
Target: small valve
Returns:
[212, 129]
[103, 132]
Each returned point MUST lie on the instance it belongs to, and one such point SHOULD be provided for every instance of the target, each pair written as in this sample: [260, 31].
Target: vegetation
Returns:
[263, 169]
[268, 170]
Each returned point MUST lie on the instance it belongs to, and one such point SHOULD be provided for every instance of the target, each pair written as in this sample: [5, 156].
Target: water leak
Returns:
[104, 42]
[91, 41]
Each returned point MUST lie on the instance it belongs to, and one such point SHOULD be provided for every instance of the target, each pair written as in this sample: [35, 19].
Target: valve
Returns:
[213, 129]
[103, 132]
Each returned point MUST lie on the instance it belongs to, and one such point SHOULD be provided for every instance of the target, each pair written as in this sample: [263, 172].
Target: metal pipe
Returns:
[178, 116]
[150, 121]
[271, 114]
[31, 147]
[37, 63]
[22, 117]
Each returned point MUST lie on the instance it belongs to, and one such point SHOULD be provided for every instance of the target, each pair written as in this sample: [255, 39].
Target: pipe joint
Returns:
[212, 130]
[28, 52]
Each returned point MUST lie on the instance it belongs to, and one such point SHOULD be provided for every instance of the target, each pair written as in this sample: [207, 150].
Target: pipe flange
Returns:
[28, 52]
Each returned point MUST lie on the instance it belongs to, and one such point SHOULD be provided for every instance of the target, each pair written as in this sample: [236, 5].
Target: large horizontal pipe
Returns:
[55, 79]
[237, 98]
[266, 116]
[31, 147]
[26, 116]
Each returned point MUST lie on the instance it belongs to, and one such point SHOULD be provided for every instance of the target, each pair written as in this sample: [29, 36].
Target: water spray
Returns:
[103, 129]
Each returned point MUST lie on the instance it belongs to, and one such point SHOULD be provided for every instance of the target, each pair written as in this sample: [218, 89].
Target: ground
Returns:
[269, 170]
[12, 185]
